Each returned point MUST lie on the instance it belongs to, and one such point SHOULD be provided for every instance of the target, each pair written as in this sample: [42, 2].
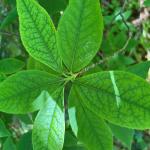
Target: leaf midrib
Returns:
[125, 100]
[77, 35]
[30, 90]
[81, 104]
[53, 119]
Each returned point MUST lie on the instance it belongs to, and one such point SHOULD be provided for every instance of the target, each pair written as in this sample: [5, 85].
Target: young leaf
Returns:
[38, 33]
[79, 33]
[90, 129]
[49, 125]
[120, 97]
[19, 91]
[10, 65]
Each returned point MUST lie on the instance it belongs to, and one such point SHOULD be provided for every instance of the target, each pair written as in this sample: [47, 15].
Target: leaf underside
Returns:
[49, 125]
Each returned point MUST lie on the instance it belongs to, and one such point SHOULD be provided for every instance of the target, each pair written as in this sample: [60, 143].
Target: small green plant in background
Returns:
[95, 102]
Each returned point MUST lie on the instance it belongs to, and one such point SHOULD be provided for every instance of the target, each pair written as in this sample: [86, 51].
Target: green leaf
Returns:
[147, 3]
[80, 33]
[53, 6]
[140, 69]
[36, 65]
[9, 144]
[90, 129]
[10, 65]
[38, 33]
[25, 142]
[2, 77]
[119, 97]
[125, 135]
[11, 16]
[75, 147]
[4, 132]
[71, 142]
[49, 125]
[19, 91]
[70, 139]
[119, 62]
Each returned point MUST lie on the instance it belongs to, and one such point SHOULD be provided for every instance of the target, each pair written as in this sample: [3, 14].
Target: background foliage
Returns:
[125, 46]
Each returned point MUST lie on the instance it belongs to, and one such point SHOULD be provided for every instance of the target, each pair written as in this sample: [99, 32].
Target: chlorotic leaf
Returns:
[80, 33]
[91, 130]
[49, 125]
[38, 33]
[119, 97]
[19, 91]
[10, 65]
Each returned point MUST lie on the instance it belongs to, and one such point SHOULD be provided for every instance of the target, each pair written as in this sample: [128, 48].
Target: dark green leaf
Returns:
[4, 132]
[75, 147]
[12, 15]
[53, 6]
[9, 144]
[140, 69]
[125, 135]
[10, 65]
[25, 143]
[2, 77]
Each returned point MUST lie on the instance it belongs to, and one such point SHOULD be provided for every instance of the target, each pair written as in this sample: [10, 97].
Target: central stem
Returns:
[70, 76]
